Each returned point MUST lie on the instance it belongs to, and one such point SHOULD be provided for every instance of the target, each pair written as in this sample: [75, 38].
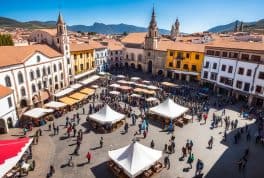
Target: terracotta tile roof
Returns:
[90, 44]
[51, 31]
[137, 38]
[182, 46]
[114, 45]
[12, 55]
[80, 47]
[5, 91]
[256, 46]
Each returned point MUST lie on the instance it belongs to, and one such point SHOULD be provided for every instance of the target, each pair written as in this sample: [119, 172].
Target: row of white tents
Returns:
[167, 109]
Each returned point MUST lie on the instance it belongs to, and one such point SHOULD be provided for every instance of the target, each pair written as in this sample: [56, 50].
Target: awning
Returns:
[125, 88]
[90, 80]
[114, 85]
[37, 112]
[88, 91]
[121, 76]
[94, 86]
[114, 92]
[185, 72]
[68, 100]
[135, 78]
[11, 152]
[55, 105]
[84, 74]
[150, 99]
[169, 84]
[78, 96]
[63, 92]
[76, 86]
[142, 90]
[134, 95]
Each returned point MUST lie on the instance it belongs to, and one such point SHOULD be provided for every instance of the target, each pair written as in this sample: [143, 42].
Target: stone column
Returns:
[187, 78]
[250, 99]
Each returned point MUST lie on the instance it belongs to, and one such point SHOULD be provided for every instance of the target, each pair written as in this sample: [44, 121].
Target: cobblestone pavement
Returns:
[219, 162]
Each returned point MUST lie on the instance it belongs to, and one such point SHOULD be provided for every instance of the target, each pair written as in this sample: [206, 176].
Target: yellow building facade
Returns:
[83, 57]
[184, 61]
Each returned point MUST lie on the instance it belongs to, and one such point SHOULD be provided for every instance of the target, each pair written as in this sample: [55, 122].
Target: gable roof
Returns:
[51, 31]
[12, 55]
[137, 38]
[5, 91]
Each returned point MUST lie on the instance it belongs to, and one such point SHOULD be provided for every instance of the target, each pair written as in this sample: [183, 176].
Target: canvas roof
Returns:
[106, 115]
[135, 158]
[169, 109]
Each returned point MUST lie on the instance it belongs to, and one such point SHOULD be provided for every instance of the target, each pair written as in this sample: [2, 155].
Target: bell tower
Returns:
[152, 38]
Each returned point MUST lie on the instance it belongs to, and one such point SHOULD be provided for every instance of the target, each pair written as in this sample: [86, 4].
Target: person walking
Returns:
[101, 142]
[190, 160]
[199, 167]
[210, 143]
[184, 152]
[152, 144]
[88, 156]
[167, 162]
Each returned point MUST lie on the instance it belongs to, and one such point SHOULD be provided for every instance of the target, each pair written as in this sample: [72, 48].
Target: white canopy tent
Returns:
[121, 76]
[55, 105]
[135, 158]
[114, 85]
[114, 92]
[151, 99]
[107, 115]
[135, 78]
[134, 95]
[37, 112]
[169, 109]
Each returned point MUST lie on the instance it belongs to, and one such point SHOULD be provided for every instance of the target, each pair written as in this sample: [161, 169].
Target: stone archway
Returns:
[3, 128]
[132, 65]
[126, 64]
[150, 67]
[139, 67]
[9, 122]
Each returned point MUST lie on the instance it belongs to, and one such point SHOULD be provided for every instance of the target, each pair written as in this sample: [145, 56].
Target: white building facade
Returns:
[8, 114]
[236, 71]
[34, 75]
[101, 58]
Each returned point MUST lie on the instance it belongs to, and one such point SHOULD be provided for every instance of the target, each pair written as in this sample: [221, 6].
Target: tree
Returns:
[6, 40]
[125, 33]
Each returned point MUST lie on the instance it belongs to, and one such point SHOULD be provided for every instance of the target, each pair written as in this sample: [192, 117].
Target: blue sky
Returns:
[194, 15]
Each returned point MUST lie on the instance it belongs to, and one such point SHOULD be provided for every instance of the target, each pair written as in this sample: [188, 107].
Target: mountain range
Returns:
[256, 26]
[96, 27]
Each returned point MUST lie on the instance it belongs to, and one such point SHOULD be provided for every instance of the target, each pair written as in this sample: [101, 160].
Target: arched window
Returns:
[54, 68]
[185, 66]
[8, 81]
[132, 56]
[38, 72]
[139, 57]
[39, 86]
[20, 78]
[44, 71]
[32, 77]
[56, 78]
[50, 81]
[23, 91]
[49, 70]
[61, 76]
[60, 66]
[33, 87]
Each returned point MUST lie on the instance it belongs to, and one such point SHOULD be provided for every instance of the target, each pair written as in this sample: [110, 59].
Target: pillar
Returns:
[250, 99]
[187, 78]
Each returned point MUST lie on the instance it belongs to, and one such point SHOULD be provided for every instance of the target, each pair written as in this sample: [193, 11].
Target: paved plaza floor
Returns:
[219, 162]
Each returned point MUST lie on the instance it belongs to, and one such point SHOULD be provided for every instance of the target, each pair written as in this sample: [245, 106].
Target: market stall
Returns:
[70, 102]
[116, 93]
[134, 79]
[106, 119]
[88, 91]
[36, 117]
[144, 91]
[135, 160]
[169, 111]
[59, 107]
[11, 152]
